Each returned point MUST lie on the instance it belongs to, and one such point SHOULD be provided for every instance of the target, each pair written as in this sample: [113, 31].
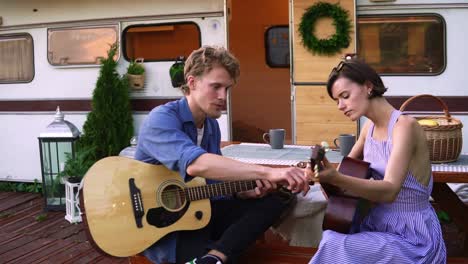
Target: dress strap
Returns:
[370, 132]
[393, 118]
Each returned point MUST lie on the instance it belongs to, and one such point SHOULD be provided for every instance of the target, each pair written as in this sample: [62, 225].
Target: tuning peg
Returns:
[325, 145]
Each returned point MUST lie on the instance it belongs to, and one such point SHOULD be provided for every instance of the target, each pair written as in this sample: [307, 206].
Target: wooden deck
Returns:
[23, 239]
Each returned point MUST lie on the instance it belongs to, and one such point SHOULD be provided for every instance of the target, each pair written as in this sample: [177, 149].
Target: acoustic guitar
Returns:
[344, 211]
[129, 204]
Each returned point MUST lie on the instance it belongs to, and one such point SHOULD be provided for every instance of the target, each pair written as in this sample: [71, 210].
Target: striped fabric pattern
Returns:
[404, 231]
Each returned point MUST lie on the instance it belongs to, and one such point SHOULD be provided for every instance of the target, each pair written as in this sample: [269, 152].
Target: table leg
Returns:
[455, 208]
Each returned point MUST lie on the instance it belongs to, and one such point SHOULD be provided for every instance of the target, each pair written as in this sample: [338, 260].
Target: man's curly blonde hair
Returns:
[204, 59]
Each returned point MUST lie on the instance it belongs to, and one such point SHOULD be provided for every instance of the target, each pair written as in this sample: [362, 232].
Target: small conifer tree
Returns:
[109, 126]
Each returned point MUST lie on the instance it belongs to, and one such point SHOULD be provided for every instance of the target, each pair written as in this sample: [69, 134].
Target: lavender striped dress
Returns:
[405, 231]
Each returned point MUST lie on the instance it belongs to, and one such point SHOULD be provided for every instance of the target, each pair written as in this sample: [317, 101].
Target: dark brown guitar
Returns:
[343, 210]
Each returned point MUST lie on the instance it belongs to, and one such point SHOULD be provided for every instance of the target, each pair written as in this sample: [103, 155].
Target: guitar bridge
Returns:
[137, 203]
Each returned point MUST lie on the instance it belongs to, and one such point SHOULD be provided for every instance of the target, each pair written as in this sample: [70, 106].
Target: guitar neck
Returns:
[218, 189]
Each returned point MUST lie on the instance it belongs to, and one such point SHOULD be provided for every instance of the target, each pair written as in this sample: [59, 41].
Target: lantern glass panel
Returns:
[53, 161]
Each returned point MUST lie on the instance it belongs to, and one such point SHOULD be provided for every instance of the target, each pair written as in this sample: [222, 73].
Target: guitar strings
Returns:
[201, 192]
[204, 190]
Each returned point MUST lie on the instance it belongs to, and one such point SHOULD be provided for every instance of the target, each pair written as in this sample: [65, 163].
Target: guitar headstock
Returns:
[316, 156]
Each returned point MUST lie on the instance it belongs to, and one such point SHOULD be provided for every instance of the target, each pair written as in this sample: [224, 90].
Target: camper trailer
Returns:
[50, 53]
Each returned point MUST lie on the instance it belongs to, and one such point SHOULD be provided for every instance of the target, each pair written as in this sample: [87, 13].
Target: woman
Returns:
[402, 227]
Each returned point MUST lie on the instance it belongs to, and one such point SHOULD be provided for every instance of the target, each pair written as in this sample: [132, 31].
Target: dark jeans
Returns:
[234, 226]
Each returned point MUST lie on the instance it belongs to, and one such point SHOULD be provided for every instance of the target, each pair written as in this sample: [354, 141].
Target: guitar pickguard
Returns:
[161, 217]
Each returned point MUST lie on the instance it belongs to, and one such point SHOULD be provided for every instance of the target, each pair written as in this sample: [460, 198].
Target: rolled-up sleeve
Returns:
[162, 140]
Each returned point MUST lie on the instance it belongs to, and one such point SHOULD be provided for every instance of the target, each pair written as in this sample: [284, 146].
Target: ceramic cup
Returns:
[275, 137]
[345, 143]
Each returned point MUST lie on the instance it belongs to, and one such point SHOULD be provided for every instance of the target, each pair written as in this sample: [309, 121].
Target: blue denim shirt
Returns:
[168, 136]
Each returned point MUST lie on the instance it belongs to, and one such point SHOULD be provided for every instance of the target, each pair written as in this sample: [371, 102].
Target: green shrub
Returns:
[109, 126]
[34, 187]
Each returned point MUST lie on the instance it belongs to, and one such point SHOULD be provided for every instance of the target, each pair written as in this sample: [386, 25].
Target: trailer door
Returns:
[315, 116]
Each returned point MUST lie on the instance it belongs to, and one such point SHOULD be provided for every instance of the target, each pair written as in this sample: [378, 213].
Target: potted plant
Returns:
[70, 177]
[74, 170]
[177, 72]
[76, 167]
[136, 74]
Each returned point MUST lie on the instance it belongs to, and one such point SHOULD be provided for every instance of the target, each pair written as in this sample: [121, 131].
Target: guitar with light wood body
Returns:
[129, 204]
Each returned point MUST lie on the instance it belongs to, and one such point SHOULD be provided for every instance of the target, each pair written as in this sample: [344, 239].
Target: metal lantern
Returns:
[129, 151]
[58, 138]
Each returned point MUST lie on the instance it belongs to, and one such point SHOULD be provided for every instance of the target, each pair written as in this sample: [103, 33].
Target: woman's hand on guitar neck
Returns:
[325, 174]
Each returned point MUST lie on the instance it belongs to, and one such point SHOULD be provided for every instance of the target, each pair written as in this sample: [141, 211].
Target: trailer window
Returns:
[277, 46]
[406, 44]
[16, 58]
[161, 42]
[78, 46]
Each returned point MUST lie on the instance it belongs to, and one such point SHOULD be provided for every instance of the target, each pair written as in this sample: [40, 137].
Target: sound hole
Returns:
[173, 197]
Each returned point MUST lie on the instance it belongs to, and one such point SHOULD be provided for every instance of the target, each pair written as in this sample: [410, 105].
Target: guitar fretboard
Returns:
[218, 189]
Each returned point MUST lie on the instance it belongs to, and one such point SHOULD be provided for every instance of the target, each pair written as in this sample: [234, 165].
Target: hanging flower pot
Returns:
[177, 72]
[136, 74]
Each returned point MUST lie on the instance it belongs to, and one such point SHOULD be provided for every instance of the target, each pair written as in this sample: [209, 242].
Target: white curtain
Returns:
[16, 59]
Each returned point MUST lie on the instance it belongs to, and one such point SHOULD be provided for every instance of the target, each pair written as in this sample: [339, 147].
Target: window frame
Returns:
[83, 65]
[444, 40]
[124, 38]
[27, 35]
[267, 50]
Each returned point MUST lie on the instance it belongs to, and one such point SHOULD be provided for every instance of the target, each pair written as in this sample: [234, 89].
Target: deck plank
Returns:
[66, 231]
[25, 223]
[17, 199]
[43, 252]
[13, 218]
[54, 223]
[32, 245]
[90, 257]
[13, 244]
[24, 206]
[7, 237]
[5, 195]
[70, 253]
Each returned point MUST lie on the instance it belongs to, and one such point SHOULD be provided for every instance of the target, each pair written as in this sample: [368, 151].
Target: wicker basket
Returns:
[445, 140]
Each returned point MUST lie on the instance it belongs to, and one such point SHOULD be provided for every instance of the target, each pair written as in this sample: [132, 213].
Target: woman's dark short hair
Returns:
[358, 72]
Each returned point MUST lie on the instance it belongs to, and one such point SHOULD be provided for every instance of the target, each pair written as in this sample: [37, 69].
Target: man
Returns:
[184, 136]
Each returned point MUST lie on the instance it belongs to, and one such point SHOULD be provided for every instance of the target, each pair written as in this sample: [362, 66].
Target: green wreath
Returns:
[341, 21]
